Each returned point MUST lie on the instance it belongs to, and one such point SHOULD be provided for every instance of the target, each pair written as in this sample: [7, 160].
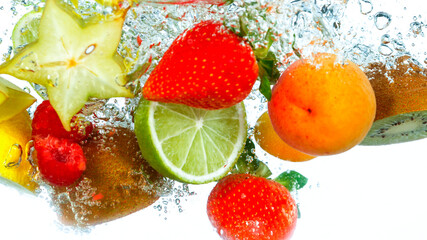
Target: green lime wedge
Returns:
[13, 100]
[188, 144]
[26, 30]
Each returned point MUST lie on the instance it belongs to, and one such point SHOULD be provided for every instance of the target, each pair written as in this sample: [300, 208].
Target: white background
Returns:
[368, 193]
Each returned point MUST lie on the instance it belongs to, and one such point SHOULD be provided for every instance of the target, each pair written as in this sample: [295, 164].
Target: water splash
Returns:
[173, 199]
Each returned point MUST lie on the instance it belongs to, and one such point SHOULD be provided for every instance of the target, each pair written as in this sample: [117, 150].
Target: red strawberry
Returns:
[61, 162]
[242, 206]
[207, 67]
[46, 122]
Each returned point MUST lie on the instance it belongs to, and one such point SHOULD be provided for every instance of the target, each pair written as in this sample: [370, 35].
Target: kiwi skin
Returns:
[117, 181]
[401, 102]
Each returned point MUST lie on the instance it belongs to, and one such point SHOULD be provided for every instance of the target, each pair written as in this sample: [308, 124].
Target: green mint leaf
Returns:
[269, 65]
[292, 180]
[249, 163]
[265, 88]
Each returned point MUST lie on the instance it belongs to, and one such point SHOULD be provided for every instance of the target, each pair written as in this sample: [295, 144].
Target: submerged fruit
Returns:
[26, 30]
[75, 60]
[61, 162]
[46, 122]
[117, 181]
[15, 135]
[321, 106]
[242, 206]
[188, 144]
[268, 140]
[13, 100]
[401, 94]
[207, 66]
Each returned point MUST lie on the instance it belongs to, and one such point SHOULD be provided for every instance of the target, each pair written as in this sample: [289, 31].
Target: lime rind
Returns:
[190, 145]
[26, 30]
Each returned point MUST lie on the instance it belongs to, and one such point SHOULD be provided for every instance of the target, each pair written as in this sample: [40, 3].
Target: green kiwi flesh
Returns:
[397, 129]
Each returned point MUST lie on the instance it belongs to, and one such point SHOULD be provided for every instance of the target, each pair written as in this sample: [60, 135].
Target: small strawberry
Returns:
[242, 206]
[61, 162]
[46, 122]
[207, 67]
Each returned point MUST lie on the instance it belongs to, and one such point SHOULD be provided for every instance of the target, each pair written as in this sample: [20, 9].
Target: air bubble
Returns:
[416, 28]
[27, 89]
[385, 39]
[382, 20]
[365, 7]
[399, 45]
[385, 50]
[14, 156]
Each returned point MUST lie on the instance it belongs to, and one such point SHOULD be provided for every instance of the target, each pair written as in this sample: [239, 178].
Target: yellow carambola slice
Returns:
[13, 100]
[74, 59]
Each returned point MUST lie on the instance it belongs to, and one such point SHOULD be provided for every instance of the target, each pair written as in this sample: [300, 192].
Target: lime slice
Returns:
[26, 30]
[188, 144]
[13, 100]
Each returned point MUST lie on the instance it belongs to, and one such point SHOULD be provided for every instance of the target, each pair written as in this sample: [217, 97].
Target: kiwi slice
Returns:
[401, 102]
[117, 181]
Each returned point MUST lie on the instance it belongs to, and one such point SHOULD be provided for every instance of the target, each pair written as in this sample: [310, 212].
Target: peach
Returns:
[268, 140]
[322, 106]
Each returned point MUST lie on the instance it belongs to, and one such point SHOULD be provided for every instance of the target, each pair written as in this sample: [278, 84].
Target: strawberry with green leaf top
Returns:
[206, 67]
[244, 206]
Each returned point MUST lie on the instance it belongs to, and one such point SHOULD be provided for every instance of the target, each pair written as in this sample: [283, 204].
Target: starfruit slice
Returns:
[75, 59]
[13, 100]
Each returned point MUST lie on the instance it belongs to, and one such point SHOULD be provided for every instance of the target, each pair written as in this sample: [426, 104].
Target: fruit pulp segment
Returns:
[198, 142]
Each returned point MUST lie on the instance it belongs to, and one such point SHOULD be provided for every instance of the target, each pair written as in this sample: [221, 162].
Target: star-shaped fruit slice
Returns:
[74, 59]
[13, 100]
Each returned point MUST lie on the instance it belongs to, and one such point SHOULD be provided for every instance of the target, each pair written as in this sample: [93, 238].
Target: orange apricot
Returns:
[268, 140]
[322, 106]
